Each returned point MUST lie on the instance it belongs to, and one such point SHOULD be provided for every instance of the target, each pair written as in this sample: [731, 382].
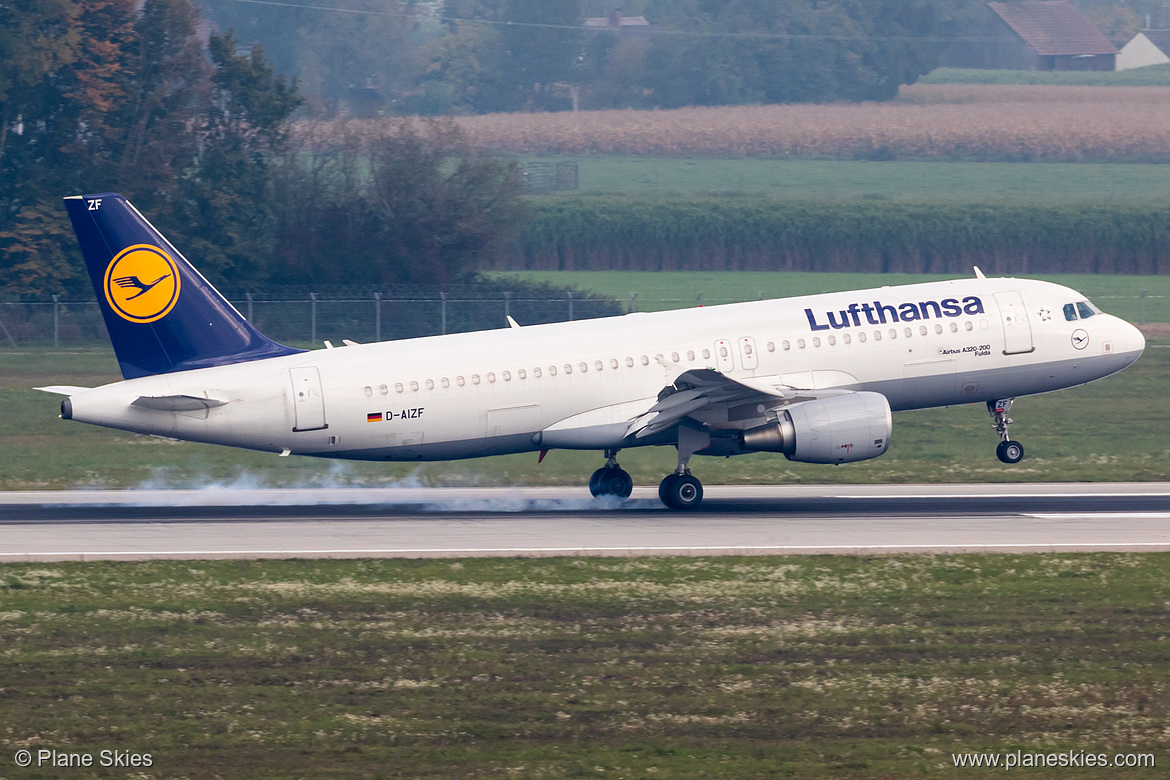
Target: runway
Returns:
[476, 522]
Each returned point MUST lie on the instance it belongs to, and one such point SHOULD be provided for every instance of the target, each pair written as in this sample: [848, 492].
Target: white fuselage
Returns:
[494, 392]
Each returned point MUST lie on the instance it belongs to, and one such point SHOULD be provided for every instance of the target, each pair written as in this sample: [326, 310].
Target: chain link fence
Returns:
[296, 316]
[315, 317]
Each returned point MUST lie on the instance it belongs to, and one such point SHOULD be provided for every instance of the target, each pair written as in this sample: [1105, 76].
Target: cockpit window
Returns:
[1070, 312]
[1086, 309]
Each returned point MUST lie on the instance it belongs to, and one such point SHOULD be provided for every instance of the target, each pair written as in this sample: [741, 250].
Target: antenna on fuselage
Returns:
[978, 273]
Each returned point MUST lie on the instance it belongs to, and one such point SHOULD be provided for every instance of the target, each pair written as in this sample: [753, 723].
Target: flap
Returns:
[705, 388]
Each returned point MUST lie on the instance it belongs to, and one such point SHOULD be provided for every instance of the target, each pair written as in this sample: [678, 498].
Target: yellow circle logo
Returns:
[142, 283]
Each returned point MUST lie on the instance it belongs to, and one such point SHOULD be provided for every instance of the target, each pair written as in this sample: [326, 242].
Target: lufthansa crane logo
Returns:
[142, 283]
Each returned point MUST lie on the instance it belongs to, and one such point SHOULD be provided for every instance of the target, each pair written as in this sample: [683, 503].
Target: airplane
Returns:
[815, 378]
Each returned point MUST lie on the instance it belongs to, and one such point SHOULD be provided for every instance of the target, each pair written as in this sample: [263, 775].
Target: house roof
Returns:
[616, 21]
[1053, 27]
[1160, 38]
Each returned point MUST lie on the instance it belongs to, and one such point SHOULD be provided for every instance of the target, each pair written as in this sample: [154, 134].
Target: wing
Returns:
[704, 395]
[719, 401]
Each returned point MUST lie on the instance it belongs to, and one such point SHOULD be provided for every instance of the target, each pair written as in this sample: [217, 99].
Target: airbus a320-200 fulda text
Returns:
[815, 378]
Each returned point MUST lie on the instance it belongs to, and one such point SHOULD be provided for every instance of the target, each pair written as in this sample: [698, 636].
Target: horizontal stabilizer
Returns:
[63, 389]
[176, 403]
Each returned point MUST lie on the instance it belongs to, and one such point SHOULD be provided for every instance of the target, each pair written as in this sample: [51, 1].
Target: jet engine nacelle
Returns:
[840, 429]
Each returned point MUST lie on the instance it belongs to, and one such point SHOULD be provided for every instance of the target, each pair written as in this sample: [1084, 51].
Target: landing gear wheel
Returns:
[611, 482]
[1010, 451]
[681, 491]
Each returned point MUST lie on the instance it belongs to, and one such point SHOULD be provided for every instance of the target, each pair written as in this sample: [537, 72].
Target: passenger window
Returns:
[413, 386]
[536, 372]
[460, 381]
[1070, 312]
[938, 328]
[816, 341]
[800, 343]
[968, 326]
[368, 391]
[771, 347]
[706, 354]
[909, 332]
[1085, 310]
[846, 338]
[613, 363]
[521, 373]
[629, 362]
[552, 370]
[954, 327]
[475, 379]
[568, 368]
[507, 376]
[383, 389]
[921, 330]
[491, 377]
[584, 367]
[832, 340]
[877, 335]
[690, 354]
[861, 337]
[430, 384]
[645, 360]
[398, 388]
[598, 365]
[446, 382]
[893, 333]
[674, 356]
[786, 344]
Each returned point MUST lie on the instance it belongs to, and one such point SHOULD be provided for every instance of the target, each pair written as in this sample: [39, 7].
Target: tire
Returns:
[611, 482]
[681, 491]
[1010, 451]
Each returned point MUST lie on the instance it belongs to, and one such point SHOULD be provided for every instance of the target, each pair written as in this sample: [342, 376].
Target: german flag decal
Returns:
[373, 417]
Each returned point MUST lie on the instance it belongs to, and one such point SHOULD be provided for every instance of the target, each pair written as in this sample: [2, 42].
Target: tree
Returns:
[541, 52]
[228, 200]
[1117, 22]
[423, 211]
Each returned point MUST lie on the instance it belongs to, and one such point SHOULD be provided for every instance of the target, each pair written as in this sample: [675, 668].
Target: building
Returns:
[616, 22]
[1032, 35]
[1149, 47]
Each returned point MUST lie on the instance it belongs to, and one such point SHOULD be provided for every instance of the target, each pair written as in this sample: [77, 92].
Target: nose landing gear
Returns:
[1008, 451]
[611, 479]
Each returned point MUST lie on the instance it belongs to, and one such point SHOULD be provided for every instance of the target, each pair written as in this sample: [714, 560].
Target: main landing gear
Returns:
[1008, 451]
[680, 490]
[611, 479]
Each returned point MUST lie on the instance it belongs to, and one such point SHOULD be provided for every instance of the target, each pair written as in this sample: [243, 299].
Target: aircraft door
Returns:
[308, 400]
[747, 353]
[723, 358]
[1017, 331]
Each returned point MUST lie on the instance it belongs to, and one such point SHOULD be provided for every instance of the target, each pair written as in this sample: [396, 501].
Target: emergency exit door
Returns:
[308, 400]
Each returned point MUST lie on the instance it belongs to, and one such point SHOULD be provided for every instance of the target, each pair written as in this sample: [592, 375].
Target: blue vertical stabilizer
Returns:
[162, 315]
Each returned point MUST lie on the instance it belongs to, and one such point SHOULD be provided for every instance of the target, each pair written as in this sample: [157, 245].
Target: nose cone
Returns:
[1130, 340]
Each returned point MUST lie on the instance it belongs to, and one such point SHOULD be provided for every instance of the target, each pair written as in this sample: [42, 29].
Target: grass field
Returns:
[965, 182]
[803, 667]
[657, 291]
[1154, 75]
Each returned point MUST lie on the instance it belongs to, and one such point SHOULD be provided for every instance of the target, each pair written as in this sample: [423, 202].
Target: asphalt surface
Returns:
[462, 522]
